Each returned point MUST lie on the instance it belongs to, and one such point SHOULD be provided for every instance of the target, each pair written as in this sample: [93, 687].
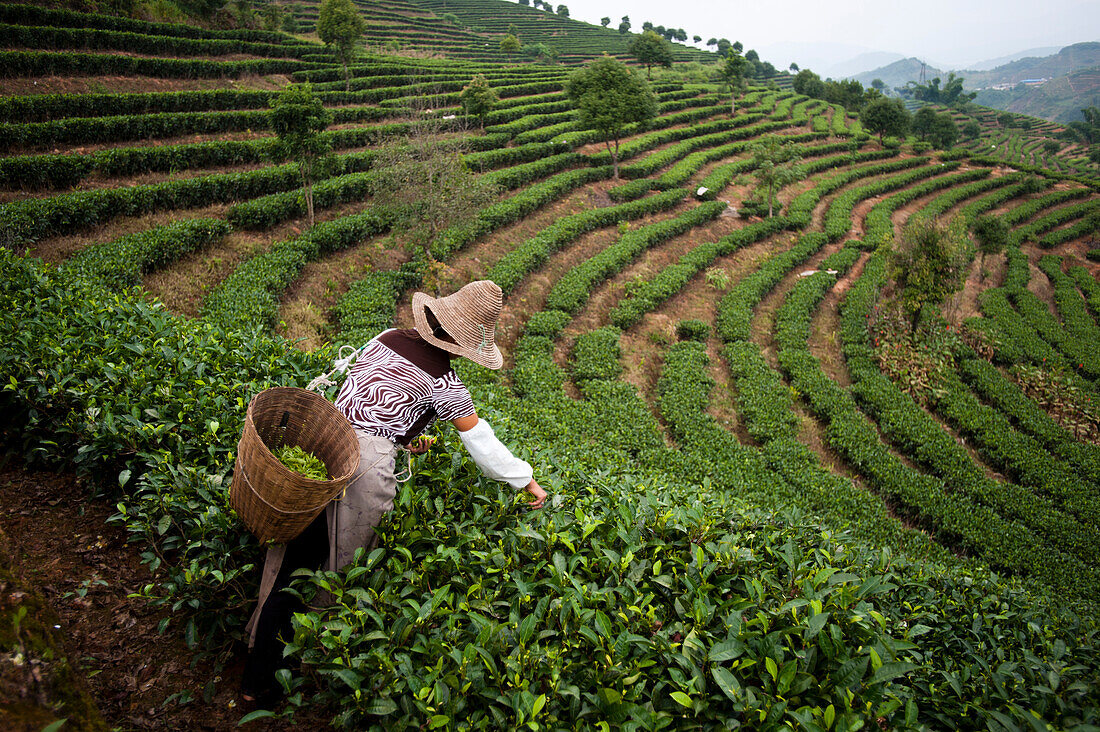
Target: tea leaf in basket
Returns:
[302, 462]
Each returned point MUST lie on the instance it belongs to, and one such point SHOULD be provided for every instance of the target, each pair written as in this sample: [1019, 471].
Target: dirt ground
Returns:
[140, 679]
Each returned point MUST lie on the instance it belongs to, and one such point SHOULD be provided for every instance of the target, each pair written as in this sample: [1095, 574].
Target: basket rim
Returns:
[269, 456]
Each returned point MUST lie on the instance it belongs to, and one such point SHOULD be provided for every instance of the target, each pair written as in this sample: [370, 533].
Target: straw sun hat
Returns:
[470, 318]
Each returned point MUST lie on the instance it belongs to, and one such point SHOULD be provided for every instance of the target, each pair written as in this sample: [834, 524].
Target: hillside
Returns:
[1071, 58]
[772, 504]
[1058, 100]
[899, 73]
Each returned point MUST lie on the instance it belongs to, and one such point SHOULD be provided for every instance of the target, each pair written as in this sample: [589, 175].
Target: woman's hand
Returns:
[421, 444]
[539, 495]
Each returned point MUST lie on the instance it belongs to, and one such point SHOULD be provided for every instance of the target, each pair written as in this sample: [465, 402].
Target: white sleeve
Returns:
[494, 459]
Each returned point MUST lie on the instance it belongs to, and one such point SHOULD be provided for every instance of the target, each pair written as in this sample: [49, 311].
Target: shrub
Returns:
[692, 330]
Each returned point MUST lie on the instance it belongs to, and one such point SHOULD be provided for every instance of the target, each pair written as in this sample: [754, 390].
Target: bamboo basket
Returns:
[275, 503]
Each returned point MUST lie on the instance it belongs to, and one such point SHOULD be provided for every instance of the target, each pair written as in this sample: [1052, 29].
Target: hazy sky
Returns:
[951, 32]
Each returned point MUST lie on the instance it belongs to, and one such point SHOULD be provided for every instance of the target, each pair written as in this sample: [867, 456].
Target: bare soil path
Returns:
[88, 573]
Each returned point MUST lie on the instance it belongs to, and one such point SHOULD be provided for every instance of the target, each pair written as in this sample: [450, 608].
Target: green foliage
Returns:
[49, 63]
[991, 233]
[886, 117]
[574, 287]
[304, 463]
[509, 44]
[651, 50]
[692, 330]
[596, 355]
[120, 263]
[608, 96]
[298, 118]
[339, 25]
[950, 95]
[774, 166]
[928, 264]
[478, 98]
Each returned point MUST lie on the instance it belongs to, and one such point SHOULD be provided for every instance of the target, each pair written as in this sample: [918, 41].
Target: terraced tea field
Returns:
[767, 507]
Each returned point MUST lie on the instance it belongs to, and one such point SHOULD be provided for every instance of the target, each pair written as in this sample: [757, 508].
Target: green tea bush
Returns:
[26, 221]
[673, 278]
[596, 355]
[692, 330]
[250, 295]
[528, 255]
[120, 264]
[49, 38]
[574, 287]
[48, 63]
[24, 14]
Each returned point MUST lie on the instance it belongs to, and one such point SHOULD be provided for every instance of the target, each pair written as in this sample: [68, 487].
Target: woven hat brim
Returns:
[490, 357]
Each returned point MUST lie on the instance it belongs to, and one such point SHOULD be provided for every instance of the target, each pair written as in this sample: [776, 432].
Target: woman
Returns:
[401, 383]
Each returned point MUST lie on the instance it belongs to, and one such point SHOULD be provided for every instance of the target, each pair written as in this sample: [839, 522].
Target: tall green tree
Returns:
[922, 122]
[928, 264]
[991, 233]
[298, 119]
[608, 96]
[775, 164]
[733, 74]
[651, 50]
[478, 97]
[339, 25]
[944, 133]
[624, 25]
[510, 45]
[605, 21]
[886, 116]
[808, 83]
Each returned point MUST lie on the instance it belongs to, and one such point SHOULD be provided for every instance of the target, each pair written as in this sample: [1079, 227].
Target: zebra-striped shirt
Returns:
[400, 385]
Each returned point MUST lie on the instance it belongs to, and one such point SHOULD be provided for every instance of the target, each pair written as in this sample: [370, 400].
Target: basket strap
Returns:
[244, 474]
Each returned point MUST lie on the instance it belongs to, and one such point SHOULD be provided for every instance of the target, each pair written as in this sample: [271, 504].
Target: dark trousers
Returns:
[309, 550]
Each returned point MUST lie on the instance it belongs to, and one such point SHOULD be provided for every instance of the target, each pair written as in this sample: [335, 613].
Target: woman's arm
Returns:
[496, 460]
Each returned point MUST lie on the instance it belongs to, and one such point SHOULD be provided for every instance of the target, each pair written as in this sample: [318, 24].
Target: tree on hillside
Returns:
[298, 119]
[712, 42]
[793, 68]
[928, 264]
[650, 49]
[696, 38]
[991, 232]
[972, 130]
[944, 133]
[509, 44]
[808, 83]
[922, 122]
[339, 25]
[563, 11]
[774, 166]
[605, 21]
[478, 97]
[424, 180]
[886, 116]
[724, 47]
[733, 74]
[624, 25]
[950, 95]
[608, 96]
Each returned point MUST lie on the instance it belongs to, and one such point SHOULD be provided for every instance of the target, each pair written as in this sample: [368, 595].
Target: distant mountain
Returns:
[1070, 58]
[1059, 100]
[899, 73]
[1002, 60]
[818, 57]
[859, 64]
